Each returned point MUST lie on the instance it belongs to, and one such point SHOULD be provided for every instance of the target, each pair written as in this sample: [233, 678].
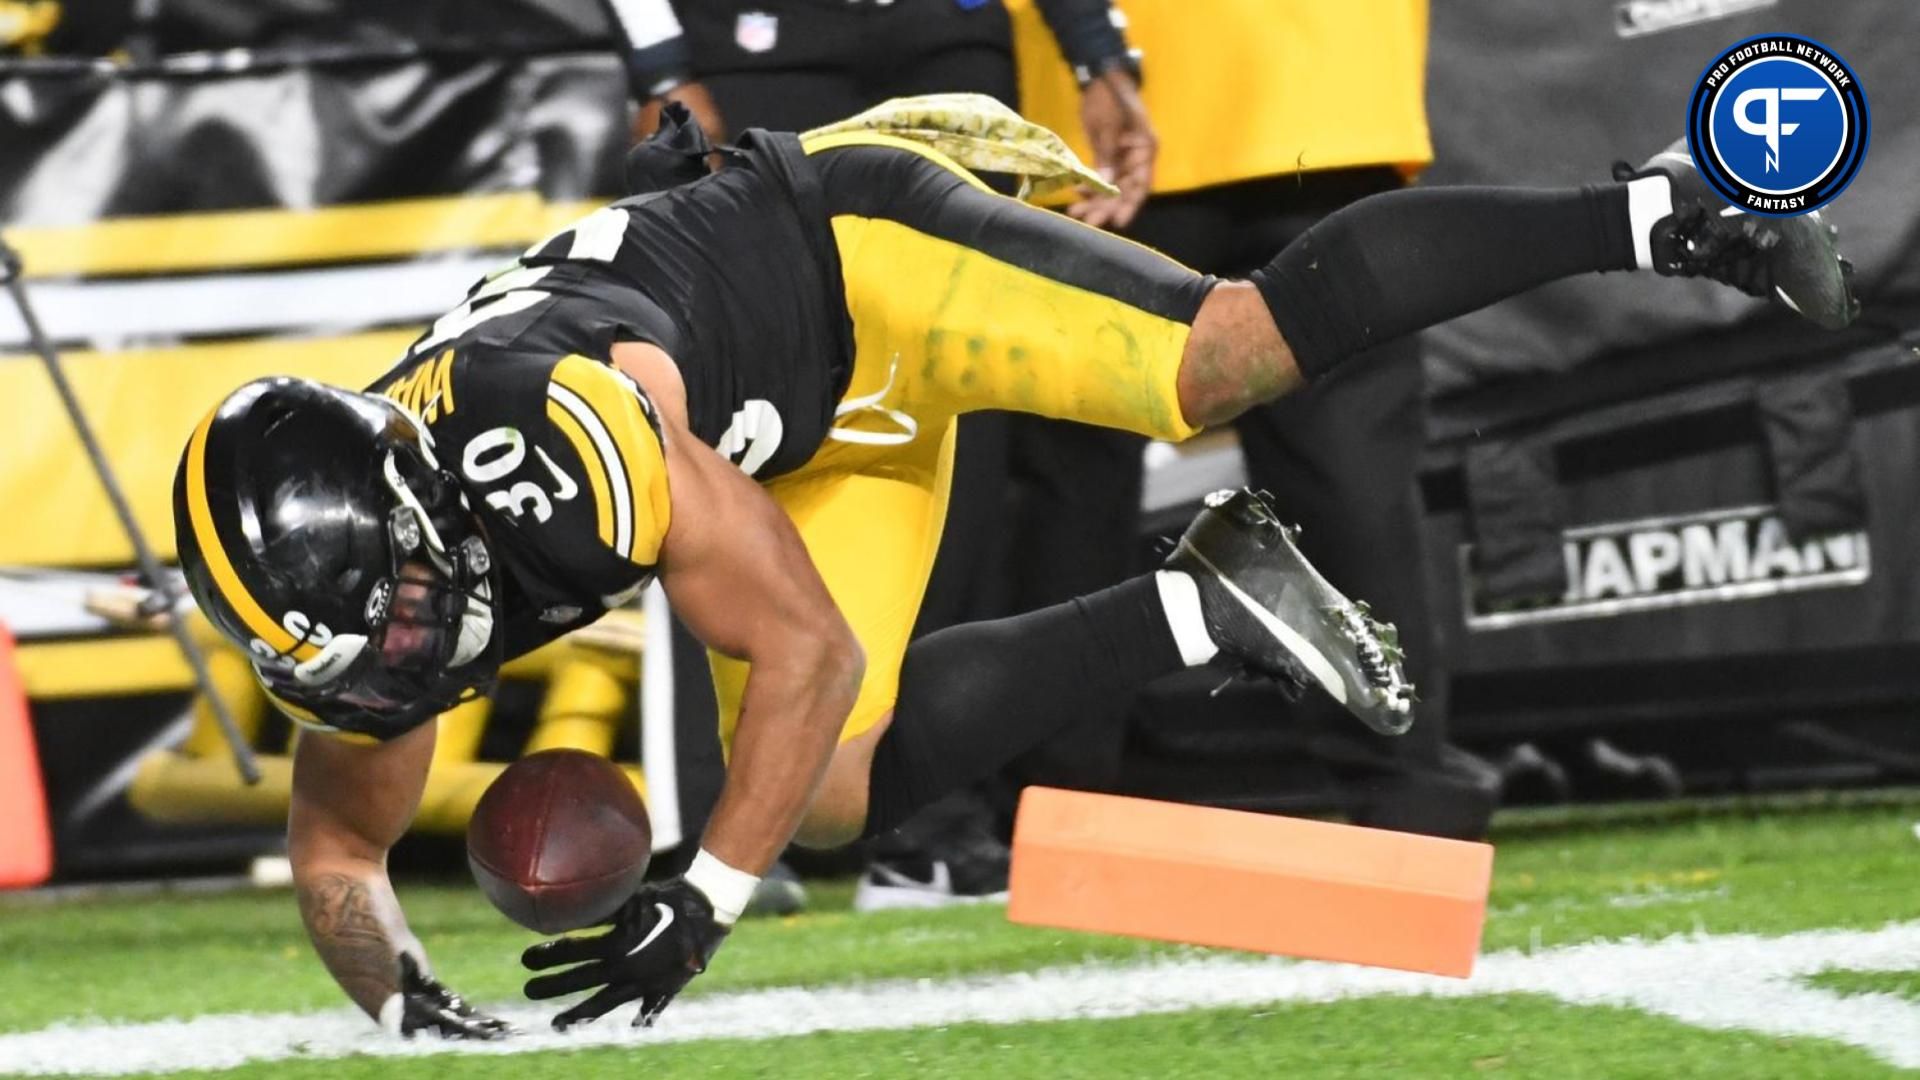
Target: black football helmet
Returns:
[318, 531]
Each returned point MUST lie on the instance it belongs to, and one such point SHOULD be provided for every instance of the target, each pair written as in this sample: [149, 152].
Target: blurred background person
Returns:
[793, 65]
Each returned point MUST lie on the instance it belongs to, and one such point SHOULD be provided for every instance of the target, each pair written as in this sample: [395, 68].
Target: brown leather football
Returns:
[559, 840]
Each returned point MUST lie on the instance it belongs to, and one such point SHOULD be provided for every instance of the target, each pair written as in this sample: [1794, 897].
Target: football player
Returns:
[745, 385]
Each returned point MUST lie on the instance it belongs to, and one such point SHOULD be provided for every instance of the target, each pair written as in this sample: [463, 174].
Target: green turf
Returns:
[1904, 984]
[1725, 871]
[247, 952]
[1510, 1036]
[1555, 883]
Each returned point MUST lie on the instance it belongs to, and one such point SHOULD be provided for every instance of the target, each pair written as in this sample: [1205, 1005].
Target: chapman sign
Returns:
[1709, 557]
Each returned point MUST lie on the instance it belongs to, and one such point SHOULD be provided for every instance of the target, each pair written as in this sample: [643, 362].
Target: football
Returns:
[559, 840]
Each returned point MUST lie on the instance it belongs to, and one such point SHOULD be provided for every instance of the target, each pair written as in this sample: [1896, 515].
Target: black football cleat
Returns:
[1269, 609]
[1790, 260]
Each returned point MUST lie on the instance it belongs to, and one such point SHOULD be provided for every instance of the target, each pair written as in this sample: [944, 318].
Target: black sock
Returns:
[1402, 261]
[972, 697]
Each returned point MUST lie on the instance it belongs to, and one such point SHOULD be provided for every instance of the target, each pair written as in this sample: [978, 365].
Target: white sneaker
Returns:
[926, 883]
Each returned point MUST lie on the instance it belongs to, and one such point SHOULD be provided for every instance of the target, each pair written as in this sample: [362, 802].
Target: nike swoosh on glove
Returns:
[422, 1004]
[661, 938]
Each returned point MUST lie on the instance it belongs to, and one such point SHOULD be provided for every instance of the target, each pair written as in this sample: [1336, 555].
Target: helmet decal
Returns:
[332, 660]
[377, 601]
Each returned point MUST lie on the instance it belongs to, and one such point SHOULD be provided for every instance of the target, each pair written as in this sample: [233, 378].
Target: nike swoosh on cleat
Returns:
[1731, 211]
[1316, 661]
[942, 879]
[1787, 300]
[666, 920]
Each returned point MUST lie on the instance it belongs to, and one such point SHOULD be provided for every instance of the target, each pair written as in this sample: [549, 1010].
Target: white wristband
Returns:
[728, 889]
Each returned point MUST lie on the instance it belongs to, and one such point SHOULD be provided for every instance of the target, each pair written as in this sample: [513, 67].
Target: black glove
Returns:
[661, 939]
[425, 1005]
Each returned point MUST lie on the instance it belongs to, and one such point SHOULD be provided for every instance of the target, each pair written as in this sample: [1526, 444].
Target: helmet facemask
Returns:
[429, 643]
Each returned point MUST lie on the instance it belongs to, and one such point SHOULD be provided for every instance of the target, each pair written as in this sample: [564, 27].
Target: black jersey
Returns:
[735, 275]
[562, 459]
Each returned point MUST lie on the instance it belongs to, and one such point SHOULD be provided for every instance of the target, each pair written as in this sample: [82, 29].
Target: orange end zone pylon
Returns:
[1227, 878]
[26, 843]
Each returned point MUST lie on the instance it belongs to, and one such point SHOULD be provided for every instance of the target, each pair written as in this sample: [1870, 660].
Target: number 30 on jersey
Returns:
[493, 455]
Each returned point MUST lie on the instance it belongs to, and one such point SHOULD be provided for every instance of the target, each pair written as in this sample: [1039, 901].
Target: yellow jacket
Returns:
[1240, 89]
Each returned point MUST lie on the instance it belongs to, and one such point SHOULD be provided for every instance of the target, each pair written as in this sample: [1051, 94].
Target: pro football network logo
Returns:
[1778, 125]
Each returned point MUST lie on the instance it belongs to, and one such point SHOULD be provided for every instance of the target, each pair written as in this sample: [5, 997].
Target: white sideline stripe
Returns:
[1723, 982]
[106, 313]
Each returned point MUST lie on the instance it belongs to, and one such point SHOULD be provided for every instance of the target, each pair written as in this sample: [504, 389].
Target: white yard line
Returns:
[1735, 981]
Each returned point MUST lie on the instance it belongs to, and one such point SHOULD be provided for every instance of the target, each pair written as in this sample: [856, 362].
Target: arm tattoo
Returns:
[352, 939]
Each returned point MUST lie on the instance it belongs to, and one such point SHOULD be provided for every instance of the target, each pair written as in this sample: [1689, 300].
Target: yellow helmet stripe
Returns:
[232, 589]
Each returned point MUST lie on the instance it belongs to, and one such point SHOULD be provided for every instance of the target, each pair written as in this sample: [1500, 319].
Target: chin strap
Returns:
[476, 626]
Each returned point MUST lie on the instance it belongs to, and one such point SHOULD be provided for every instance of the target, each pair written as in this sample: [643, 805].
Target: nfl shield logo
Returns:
[756, 31]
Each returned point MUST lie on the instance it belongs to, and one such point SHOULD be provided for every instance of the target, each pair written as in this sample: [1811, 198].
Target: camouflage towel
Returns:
[979, 133]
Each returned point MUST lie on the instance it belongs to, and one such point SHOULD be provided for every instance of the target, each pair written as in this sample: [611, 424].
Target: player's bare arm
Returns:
[738, 574]
[352, 802]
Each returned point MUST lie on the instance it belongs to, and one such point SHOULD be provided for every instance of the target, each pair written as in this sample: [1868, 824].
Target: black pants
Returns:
[829, 59]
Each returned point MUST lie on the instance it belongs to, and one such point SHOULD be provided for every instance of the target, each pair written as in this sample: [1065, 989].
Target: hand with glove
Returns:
[422, 1004]
[661, 939]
